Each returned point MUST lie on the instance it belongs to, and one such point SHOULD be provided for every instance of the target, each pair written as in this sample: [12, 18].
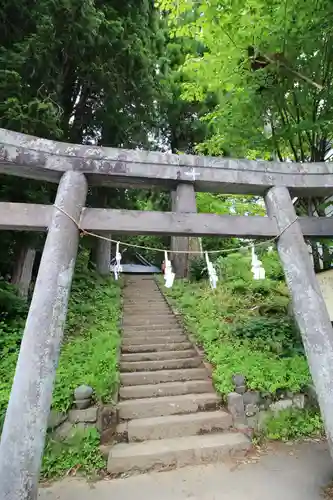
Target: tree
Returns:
[79, 71]
[270, 63]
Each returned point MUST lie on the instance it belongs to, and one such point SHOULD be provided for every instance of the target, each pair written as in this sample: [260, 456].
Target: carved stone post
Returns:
[308, 304]
[183, 200]
[23, 435]
[103, 255]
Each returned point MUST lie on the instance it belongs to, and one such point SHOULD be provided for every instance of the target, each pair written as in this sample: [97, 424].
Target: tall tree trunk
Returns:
[315, 255]
[326, 254]
[23, 266]
[92, 255]
[103, 255]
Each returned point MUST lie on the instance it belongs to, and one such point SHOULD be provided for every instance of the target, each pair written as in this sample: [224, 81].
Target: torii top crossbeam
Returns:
[28, 156]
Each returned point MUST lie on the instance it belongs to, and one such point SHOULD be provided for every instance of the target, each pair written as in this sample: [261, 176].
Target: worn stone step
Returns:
[130, 334]
[135, 348]
[151, 328]
[146, 315]
[158, 339]
[144, 300]
[143, 294]
[168, 405]
[151, 321]
[153, 356]
[177, 452]
[165, 389]
[144, 305]
[169, 321]
[160, 364]
[172, 426]
[144, 309]
[143, 378]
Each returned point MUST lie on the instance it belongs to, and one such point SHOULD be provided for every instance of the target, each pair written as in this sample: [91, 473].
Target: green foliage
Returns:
[78, 453]
[235, 266]
[89, 351]
[89, 355]
[12, 306]
[291, 424]
[291, 95]
[13, 312]
[275, 334]
[264, 371]
[198, 269]
[235, 337]
[273, 266]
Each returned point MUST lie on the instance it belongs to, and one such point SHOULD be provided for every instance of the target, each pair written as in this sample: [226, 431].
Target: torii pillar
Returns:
[23, 434]
[183, 200]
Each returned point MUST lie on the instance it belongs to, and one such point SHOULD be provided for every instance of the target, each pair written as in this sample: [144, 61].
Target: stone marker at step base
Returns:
[23, 435]
[82, 396]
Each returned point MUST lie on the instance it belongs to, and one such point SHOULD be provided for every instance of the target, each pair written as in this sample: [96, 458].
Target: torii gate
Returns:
[74, 166]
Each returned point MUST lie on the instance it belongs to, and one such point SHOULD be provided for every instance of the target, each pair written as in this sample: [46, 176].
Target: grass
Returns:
[228, 324]
[77, 454]
[88, 356]
[89, 353]
[244, 327]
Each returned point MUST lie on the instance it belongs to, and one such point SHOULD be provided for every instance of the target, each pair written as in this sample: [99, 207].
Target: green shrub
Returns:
[89, 351]
[91, 357]
[273, 267]
[235, 266]
[236, 338]
[79, 453]
[198, 269]
[276, 305]
[256, 287]
[12, 306]
[264, 371]
[275, 334]
[293, 424]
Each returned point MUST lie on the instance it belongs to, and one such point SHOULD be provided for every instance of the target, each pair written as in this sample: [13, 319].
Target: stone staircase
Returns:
[169, 414]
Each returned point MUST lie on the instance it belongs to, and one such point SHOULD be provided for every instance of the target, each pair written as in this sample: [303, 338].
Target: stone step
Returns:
[151, 321]
[179, 346]
[143, 308]
[143, 378]
[165, 389]
[148, 331]
[151, 328]
[168, 405]
[160, 364]
[158, 339]
[153, 335]
[143, 294]
[144, 299]
[147, 316]
[164, 321]
[153, 356]
[172, 426]
[144, 304]
[176, 452]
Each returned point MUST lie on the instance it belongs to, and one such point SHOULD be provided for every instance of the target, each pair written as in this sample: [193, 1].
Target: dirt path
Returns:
[283, 473]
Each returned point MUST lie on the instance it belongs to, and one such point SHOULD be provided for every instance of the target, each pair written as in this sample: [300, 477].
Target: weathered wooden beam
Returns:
[177, 224]
[23, 434]
[30, 217]
[25, 216]
[28, 156]
[308, 303]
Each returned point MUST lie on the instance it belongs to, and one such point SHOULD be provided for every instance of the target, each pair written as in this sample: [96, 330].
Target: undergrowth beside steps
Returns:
[244, 327]
[88, 356]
